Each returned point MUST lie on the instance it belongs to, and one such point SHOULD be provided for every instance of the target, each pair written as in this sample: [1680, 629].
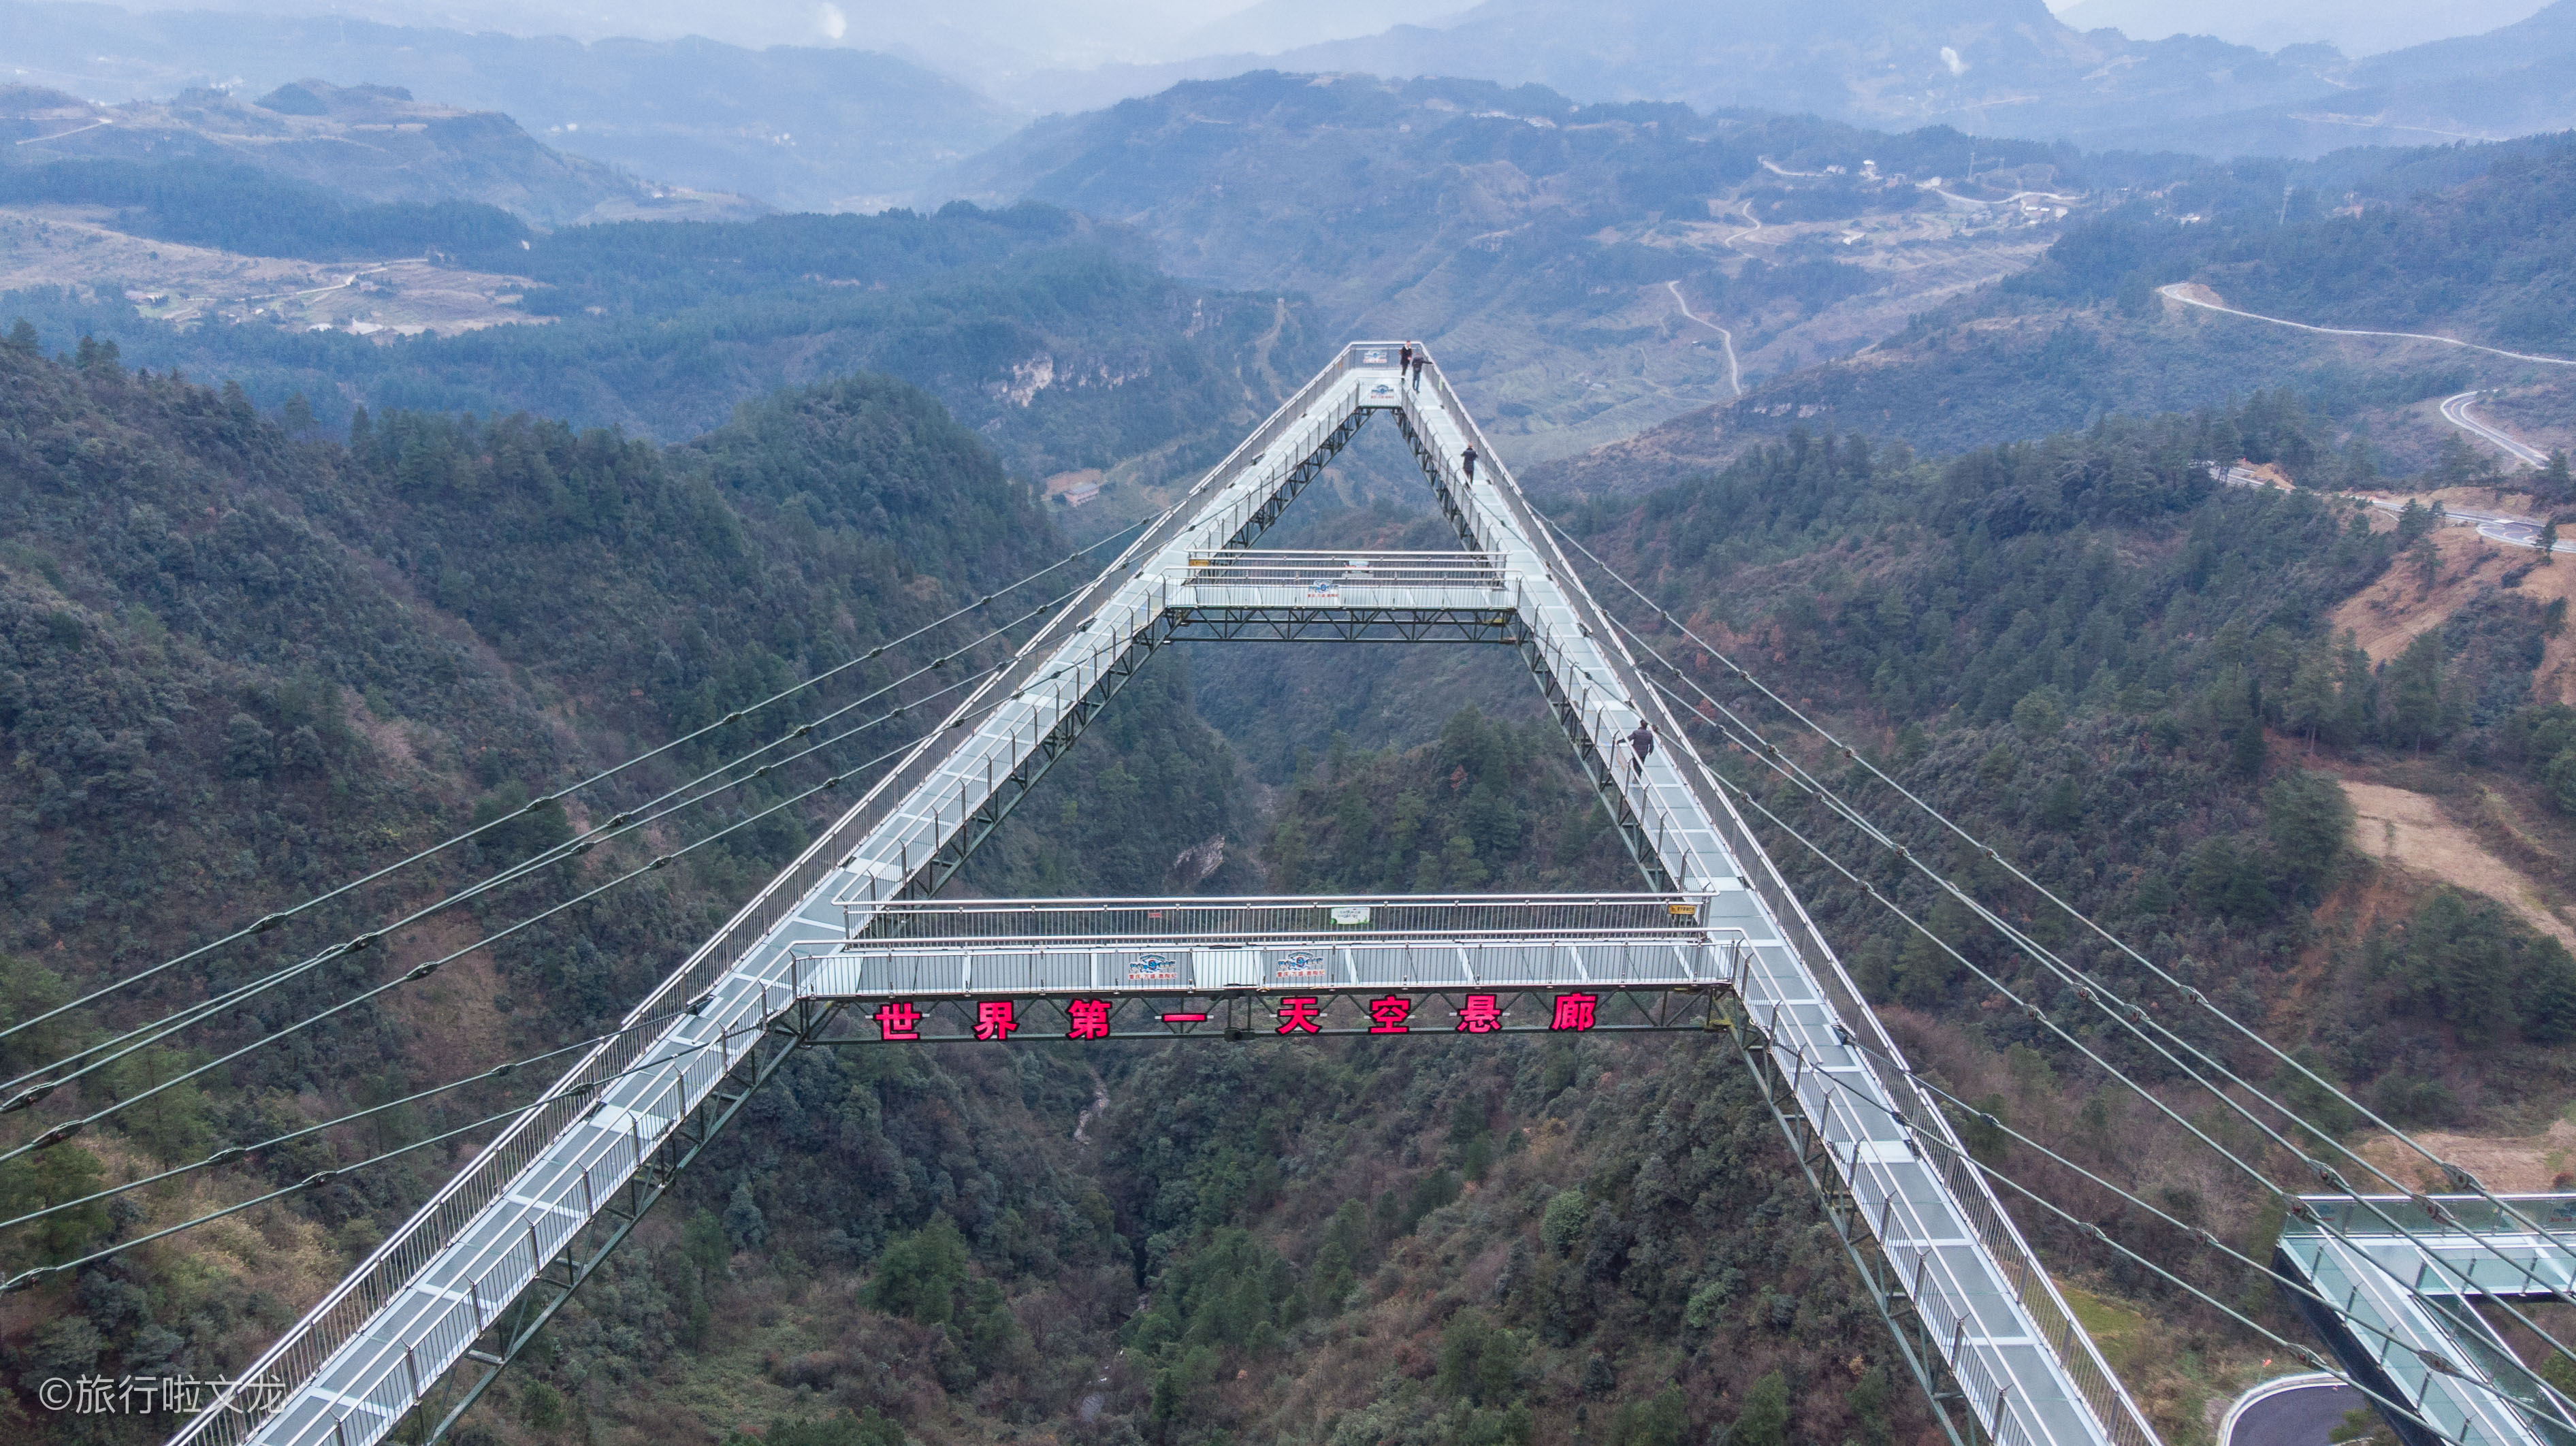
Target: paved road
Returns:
[2295, 1411]
[2455, 410]
[2174, 292]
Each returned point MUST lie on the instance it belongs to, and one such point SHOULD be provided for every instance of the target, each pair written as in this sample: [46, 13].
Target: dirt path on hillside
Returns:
[2410, 830]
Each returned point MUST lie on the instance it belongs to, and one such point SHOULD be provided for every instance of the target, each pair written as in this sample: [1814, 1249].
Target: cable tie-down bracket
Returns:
[26, 1097]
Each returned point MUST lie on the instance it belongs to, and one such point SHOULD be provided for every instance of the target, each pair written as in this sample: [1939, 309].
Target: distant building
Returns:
[1080, 493]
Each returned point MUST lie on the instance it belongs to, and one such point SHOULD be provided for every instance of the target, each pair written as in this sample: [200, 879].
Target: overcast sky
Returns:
[1015, 34]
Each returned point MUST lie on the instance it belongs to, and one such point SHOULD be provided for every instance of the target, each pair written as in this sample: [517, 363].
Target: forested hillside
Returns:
[2083, 649]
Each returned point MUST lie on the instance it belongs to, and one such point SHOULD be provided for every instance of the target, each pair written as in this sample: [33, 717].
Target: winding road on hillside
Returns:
[1734, 374]
[2455, 410]
[2179, 291]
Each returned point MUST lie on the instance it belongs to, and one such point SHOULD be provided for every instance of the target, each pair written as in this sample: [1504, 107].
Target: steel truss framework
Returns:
[426, 1323]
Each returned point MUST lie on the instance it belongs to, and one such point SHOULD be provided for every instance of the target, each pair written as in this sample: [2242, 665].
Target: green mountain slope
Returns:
[237, 667]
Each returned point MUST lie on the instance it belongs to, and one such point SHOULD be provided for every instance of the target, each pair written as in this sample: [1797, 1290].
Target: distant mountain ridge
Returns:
[2355, 27]
[801, 128]
[1990, 67]
[372, 143]
[1993, 66]
[2518, 80]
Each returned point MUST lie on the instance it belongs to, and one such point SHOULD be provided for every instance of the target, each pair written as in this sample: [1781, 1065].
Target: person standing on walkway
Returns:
[1404, 361]
[1468, 458]
[1417, 371]
[1641, 746]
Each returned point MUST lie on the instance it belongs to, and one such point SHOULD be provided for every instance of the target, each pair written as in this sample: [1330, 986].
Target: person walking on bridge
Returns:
[1641, 746]
[1468, 460]
[1404, 361]
[1417, 371]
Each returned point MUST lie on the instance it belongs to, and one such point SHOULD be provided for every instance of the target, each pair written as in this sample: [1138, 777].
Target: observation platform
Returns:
[2405, 1276]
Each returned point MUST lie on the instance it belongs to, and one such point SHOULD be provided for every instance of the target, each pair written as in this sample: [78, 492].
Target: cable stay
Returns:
[624, 823]
[2125, 1016]
[2459, 1177]
[2291, 1202]
[274, 918]
[234, 1154]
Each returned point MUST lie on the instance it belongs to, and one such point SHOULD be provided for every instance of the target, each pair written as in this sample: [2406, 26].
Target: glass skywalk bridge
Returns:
[852, 946]
[2405, 1277]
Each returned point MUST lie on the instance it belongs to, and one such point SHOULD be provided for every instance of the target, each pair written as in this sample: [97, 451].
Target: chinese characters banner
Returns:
[1278, 1014]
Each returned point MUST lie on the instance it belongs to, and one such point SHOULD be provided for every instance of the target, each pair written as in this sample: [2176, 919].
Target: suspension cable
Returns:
[69, 1128]
[2459, 1177]
[65, 1131]
[276, 917]
[1917, 1135]
[32, 1274]
[2041, 1018]
[624, 822]
[231, 1153]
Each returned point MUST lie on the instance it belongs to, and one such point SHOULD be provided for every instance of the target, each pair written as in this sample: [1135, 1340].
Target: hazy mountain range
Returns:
[2355, 27]
[804, 128]
[368, 143]
[1998, 67]
[833, 127]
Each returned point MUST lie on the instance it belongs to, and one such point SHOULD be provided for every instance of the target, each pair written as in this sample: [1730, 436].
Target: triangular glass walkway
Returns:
[850, 942]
